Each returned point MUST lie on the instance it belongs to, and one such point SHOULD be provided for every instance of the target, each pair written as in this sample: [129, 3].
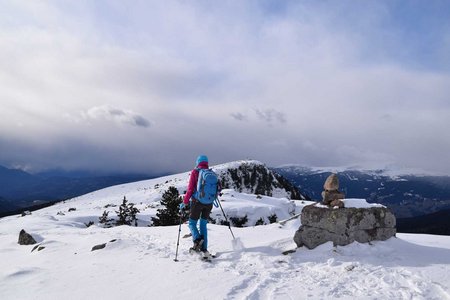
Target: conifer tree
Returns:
[239, 221]
[169, 215]
[127, 213]
[107, 222]
[272, 218]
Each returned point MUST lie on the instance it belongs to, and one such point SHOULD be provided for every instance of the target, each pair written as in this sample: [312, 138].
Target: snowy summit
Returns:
[138, 262]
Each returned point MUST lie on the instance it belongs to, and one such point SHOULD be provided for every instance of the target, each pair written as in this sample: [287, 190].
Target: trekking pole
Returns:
[178, 240]
[226, 219]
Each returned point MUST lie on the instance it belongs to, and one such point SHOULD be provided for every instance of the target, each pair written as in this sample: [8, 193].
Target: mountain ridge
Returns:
[20, 190]
[407, 195]
[260, 261]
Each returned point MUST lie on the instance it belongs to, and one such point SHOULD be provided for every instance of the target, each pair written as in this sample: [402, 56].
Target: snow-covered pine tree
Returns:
[107, 222]
[272, 218]
[169, 215]
[239, 221]
[127, 213]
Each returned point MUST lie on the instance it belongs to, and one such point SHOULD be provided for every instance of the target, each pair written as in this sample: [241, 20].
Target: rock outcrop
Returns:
[343, 226]
[253, 177]
[98, 247]
[26, 238]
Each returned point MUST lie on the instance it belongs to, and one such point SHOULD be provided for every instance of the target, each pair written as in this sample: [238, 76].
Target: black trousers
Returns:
[199, 210]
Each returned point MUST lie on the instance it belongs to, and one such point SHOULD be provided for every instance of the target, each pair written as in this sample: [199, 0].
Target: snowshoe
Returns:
[203, 254]
[206, 255]
[198, 243]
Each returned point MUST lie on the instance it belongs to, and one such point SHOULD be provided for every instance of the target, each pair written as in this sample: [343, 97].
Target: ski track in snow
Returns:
[268, 275]
[334, 280]
[258, 271]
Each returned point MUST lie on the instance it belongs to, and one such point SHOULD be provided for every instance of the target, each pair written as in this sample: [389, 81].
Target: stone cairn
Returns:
[321, 224]
[331, 195]
[344, 226]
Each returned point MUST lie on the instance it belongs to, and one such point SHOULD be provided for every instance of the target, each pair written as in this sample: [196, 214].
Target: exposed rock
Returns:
[26, 213]
[98, 247]
[26, 238]
[331, 183]
[331, 192]
[256, 178]
[288, 251]
[330, 196]
[344, 226]
[38, 247]
[72, 209]
[337, 203]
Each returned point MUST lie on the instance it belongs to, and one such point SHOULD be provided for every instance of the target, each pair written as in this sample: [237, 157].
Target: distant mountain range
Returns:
[21, 190]
[408, 195]
[435, 223]
[421, 203]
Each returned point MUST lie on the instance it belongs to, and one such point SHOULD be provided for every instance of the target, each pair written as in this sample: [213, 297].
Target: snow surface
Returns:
[353, 203]
[138, 262]
[360, 203]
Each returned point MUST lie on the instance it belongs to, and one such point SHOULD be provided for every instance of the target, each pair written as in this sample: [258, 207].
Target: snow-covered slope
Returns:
[147, 194]
[137, 262]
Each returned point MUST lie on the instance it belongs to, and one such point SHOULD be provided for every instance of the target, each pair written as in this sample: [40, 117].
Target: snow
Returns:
[354, 203]
[236, 164]
[255, 207]
[359, 203]
[140, 264]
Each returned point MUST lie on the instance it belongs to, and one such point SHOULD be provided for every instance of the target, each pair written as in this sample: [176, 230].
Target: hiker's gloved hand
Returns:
[182, 206]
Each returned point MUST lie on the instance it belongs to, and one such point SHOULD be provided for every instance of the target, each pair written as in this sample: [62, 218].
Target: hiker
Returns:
[202, 191]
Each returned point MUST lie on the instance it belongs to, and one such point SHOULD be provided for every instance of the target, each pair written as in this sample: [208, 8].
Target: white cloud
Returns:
[336, 85]
[119, 116]
[239, 116]
[271, 115]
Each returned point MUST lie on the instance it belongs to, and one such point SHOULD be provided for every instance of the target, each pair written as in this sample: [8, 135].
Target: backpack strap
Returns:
[199, 180]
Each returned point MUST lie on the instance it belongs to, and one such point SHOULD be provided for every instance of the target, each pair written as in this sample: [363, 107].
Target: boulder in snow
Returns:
[26, 213]
[38, 247]
[321, 224]
[26, 238]
[98, 247]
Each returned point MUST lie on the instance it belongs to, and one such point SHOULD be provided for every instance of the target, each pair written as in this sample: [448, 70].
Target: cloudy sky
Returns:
[146, 86]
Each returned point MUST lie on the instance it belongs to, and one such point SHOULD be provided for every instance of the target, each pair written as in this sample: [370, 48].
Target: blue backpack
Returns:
[207, 186]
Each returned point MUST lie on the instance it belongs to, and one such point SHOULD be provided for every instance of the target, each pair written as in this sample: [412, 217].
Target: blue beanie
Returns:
[202, 158]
